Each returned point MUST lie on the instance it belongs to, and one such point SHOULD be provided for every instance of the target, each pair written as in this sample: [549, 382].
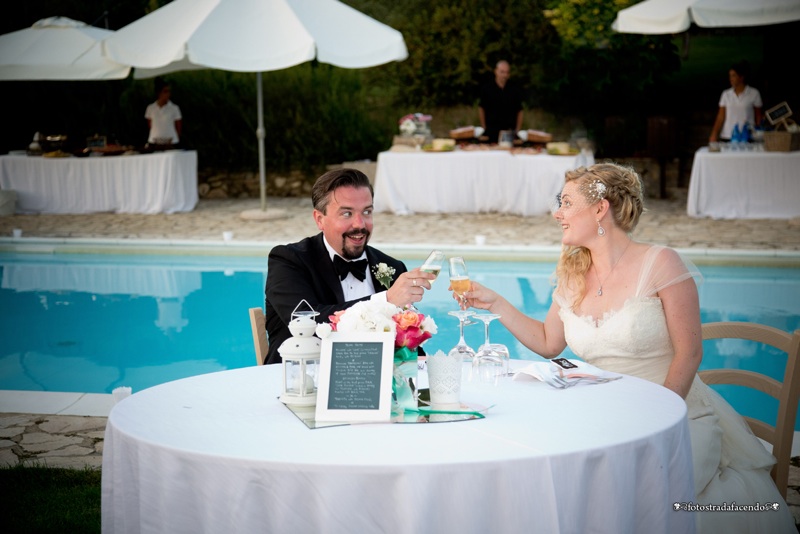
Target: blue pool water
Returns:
[90, 323]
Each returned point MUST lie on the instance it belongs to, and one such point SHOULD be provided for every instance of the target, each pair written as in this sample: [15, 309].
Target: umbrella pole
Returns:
[261, 214]
[260, 134]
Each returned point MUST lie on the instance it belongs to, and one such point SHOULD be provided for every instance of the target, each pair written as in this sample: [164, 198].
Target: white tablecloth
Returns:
[745, 185]
[163, 182]
[220, 453]
[471, 181]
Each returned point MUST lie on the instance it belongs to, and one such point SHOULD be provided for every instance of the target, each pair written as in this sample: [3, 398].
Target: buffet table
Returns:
[219, 453]
[464, 181]
[162, 182]
[745, 185]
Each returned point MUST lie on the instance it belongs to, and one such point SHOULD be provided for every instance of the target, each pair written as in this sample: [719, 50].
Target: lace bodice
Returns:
[633, 339]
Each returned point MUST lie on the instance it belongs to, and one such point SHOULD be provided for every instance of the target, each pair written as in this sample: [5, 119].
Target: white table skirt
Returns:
[745, 185]
[220, 453]
[163, 182]
[471, 181]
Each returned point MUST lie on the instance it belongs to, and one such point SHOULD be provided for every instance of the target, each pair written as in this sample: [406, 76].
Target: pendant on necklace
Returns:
[600, 291]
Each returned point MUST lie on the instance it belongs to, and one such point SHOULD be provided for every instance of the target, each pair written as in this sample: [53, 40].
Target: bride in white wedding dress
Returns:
[633, 308]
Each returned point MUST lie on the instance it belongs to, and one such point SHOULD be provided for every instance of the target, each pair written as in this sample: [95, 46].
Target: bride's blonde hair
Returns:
[622, 187]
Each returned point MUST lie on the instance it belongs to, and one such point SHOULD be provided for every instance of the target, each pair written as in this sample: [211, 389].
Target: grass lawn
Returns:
[40, 499]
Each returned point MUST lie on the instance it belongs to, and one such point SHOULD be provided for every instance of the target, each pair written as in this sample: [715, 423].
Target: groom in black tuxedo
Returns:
[335, 268]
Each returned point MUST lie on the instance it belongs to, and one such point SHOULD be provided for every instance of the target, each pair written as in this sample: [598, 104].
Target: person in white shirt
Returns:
[163, 117]
[738, 105]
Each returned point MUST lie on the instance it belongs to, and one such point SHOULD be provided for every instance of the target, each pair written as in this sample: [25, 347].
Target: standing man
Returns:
[335, 268]
[163, 117]
[500, 106]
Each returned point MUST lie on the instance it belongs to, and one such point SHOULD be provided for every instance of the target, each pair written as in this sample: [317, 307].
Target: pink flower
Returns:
[334, 319]
[412, 329]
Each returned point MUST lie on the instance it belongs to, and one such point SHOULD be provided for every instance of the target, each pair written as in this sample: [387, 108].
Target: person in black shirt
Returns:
[500, 106]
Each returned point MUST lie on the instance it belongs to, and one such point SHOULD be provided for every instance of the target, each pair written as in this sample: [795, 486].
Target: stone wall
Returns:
[221, 184]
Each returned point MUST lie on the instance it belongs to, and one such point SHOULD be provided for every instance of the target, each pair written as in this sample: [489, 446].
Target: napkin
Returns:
[557, 377]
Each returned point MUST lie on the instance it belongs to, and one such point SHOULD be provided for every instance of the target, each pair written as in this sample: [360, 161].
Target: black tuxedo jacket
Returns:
[304, 270]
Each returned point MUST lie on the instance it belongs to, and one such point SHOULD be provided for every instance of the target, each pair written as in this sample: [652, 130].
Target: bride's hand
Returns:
[479, 296]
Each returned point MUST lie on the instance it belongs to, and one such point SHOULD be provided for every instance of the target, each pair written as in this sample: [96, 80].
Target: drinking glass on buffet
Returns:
[433, 263]
[459, 278]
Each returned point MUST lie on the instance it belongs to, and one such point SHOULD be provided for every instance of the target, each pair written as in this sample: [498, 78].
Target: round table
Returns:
[219, 453]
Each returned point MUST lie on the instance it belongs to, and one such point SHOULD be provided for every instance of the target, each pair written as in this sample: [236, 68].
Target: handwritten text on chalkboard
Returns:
[355, 380]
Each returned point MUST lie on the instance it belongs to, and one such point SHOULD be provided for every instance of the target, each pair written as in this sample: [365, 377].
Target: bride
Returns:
[633, 308]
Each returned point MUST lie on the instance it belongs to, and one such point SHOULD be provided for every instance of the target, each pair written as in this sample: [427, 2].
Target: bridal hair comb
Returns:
[596, 190]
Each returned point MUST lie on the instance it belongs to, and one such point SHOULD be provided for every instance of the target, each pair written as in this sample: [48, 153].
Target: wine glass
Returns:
[433, 263]
[419, 140]
[492, 359]
[459, 278]
[466, 352]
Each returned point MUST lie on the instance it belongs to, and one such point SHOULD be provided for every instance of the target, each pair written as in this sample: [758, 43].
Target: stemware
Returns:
[492, 359]
[419, 140]
[466, 352]
[433, 263]
[459, 278]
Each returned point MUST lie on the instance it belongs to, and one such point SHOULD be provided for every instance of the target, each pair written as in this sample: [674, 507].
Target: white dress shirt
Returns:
[352, 287]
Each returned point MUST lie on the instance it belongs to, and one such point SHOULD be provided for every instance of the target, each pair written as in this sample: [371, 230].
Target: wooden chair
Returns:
[260, 341]
[787, 392]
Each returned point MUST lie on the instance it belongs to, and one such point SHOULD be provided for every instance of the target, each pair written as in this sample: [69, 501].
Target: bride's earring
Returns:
[600, 230]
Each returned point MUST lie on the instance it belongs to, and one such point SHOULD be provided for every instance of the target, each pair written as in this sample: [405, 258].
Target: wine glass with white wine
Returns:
[459, 278]
[433, 264]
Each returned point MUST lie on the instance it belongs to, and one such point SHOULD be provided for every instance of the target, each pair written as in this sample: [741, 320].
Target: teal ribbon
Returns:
[404, 354]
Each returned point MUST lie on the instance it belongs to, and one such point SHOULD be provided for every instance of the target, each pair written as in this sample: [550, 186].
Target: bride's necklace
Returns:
[600, 288]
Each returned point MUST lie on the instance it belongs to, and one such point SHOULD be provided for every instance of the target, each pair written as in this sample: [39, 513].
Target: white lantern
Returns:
[301, 356]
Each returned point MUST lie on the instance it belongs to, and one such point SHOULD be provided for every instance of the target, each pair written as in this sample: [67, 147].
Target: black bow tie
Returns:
[358, 268]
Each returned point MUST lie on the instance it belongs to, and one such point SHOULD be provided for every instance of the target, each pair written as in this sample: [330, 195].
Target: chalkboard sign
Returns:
[779, 113]
[355, 377]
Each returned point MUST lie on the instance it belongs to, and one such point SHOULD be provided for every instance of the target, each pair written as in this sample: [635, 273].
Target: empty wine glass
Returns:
[492, 359]
[433, 263]
[419, 140]
[459, 278]
[466, 352]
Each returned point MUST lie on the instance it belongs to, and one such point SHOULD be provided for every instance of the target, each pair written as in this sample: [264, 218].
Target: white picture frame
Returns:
[355, 377]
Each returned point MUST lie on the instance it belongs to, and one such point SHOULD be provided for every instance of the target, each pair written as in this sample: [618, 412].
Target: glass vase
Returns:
[404, 382]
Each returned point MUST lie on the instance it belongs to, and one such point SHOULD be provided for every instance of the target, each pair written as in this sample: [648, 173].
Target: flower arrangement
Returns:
[384, 274]
[413, 122]
[411, 328]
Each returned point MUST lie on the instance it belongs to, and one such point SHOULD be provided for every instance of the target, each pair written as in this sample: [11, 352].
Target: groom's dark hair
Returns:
[332, 180]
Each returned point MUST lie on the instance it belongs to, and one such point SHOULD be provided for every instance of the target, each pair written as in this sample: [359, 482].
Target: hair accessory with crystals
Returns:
[596, 190]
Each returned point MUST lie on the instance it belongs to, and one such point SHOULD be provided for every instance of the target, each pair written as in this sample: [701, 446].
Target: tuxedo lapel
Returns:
[322, 267]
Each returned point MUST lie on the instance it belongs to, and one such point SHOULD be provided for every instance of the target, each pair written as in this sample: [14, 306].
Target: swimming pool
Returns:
[90, 323]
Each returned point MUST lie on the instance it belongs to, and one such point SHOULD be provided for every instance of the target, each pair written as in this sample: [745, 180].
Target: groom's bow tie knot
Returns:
[342, 266]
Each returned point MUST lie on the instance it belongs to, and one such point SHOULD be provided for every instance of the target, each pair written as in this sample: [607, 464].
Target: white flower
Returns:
[408, 127]
[323, 330]
[429, 325]
[384, 274]
[368, 316]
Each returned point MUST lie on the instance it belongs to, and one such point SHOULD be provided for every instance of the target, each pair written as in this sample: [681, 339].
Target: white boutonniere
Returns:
[384, 274]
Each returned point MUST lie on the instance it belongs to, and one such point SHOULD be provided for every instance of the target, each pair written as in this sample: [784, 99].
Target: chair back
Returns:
[260, 341]
[786, 391]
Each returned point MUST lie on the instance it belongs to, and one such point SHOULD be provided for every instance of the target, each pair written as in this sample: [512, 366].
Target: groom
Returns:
[335, 268]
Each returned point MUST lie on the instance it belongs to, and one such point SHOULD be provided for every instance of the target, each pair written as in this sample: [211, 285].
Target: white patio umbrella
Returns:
[253, 36]
[676, 16]
[57, 48]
